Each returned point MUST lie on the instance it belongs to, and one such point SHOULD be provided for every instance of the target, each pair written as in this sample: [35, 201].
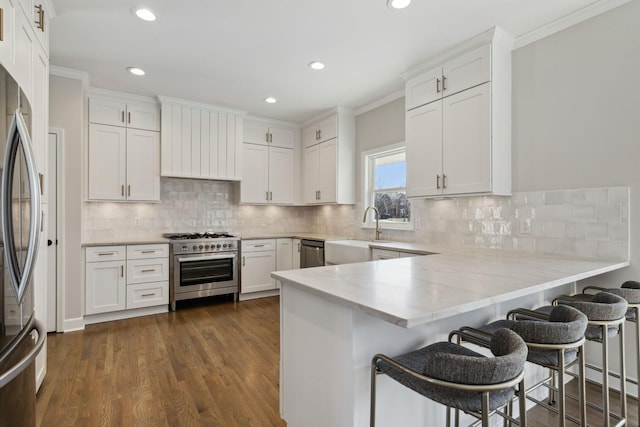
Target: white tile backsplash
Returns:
[590, 223]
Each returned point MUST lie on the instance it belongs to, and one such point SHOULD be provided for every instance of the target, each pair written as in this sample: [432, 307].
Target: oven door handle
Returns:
[206, 258]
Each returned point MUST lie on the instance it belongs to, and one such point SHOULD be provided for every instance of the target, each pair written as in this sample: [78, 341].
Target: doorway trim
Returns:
[60, 213]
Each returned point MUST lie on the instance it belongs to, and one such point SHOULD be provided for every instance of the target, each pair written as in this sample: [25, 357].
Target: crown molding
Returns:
[200, 105]
[68, 73]
[587, 12]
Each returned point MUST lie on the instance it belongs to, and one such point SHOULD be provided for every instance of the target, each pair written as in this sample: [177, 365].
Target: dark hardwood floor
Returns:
[213, 364]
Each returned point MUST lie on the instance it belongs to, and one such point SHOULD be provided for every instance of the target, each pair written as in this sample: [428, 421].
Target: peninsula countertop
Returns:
[413, 291]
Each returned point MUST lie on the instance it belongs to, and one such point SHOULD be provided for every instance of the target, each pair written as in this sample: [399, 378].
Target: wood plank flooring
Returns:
[213, 364]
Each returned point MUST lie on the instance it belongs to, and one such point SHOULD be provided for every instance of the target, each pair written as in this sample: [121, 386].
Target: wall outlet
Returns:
[137, 222]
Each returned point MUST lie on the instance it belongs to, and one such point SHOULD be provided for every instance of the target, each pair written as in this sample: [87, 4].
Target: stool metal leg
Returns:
[582, 389]
[561, 391]
[605, 375]
[372, 413]
[623, 376]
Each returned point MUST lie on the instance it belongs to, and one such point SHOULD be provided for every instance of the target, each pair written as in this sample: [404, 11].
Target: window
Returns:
[385, 186]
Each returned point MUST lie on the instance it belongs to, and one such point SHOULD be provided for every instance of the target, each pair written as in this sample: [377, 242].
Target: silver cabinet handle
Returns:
[122, 188]
[437, 85]
[122, 271]
[243, 261]
[258, 246]
[266, 195]
[122, 116]
[41, 178]
[128, 191]
[129, 117]
[437, 182]
[106, 253]
[444, 181]
[444, 83]
[271, 195]
[1, 24]
[147, 295]
[148, 252]
[149, 270]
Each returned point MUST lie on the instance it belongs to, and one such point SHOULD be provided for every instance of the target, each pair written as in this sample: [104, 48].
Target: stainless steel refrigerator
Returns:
[21, 334]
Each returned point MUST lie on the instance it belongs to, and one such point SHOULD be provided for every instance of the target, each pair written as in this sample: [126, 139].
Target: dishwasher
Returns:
[311, 253]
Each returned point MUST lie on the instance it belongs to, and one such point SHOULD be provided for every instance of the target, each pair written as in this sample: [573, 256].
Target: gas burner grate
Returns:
[202, 235]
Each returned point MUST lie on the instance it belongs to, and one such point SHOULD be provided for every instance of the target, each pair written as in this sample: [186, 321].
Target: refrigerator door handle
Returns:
[15, 370]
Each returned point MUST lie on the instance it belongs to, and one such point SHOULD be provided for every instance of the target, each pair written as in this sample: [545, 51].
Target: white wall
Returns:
[66, 111]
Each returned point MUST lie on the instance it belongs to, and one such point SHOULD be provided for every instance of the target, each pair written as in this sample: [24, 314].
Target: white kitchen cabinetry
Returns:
[7, 31]
[105, 281]
[123, 164]
[147, 275]
[258, 261]
[285, 256]
[329, 164]
[200, 141]
[121, 113]
[269, 159]
[126, 277]
[271, 177]
[458, 122]
[295, 262]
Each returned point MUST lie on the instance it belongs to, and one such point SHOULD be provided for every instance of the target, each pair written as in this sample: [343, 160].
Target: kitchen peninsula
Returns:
[335, 318]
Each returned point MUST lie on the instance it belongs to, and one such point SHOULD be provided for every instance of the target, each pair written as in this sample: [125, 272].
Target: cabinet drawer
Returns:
[259, 245]
[148, 251]
[147, 294]
[147, 270]
[105, 253]
[378, 254]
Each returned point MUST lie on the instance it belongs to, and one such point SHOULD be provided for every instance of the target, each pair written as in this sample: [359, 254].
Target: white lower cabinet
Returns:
[105, 279]
[126, 277]
[258, 261]
[284, 253]
[295, 261]
[378, 254]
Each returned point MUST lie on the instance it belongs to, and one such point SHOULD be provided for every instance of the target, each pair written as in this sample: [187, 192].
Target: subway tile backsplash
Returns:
[590, 223]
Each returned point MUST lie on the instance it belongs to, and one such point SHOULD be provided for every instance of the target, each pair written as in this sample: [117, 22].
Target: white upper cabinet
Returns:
[6, 33]
[265, 133]
[127, 114]
[460, 73]
[269, 159]
[329, 159]
[458, 122]
[200, 141]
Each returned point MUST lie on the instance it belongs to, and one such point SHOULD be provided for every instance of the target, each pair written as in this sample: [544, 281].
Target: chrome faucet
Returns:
[377, 212]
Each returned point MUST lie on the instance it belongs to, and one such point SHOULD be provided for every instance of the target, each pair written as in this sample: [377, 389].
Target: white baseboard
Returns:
[70, 325]
[255, 295]
[125, 314]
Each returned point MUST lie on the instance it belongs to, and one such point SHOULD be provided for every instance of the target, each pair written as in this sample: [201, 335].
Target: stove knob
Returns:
[206, 246]
[195, 247]
[225, 245]
[218, 246]
[201, 247]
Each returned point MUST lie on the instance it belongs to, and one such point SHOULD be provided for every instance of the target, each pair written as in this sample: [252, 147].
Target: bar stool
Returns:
[555, 341]
[460, 378]
[606, 314]
[630, 291]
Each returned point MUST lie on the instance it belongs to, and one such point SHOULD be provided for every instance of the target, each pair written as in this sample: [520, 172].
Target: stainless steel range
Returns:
[201, 265]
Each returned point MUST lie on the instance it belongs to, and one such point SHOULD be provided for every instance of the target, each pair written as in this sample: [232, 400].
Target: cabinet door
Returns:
[424, 150]
[423, 89]
[107, 112]
[255, 132]
[6, 44]
[105, 287]
[281, 168]
[255, 183]
[310, 193]
[24, 40]
[328, 128]
[284, 254]
[282, 137]
[295, 261]
[141, 116]
[40, 114]
[309, 136]
[107, 162]
[143, 165]
[328, 171]
[147, 270]
[256, 271]
[468, 70]
[467, 141]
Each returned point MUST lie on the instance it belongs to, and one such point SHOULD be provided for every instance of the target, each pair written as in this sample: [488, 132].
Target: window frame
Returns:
[368, 157]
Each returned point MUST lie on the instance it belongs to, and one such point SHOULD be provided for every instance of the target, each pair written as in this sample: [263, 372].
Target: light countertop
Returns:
[416, 290]
[133, 241]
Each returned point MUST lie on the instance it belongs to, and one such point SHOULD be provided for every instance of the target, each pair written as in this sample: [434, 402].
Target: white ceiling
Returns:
[235, 53]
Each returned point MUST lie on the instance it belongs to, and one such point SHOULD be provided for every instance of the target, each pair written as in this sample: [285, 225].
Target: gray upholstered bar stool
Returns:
[460, 378]
[606, 314]
[555, 341]
[630, 291]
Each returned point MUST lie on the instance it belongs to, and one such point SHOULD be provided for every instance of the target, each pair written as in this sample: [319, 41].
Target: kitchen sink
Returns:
[348, 251]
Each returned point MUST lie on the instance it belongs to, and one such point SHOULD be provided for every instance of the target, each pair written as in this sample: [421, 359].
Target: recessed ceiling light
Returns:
[270, 100]
[398, 4]
[316, 65]
[136, 71]
[144, 14]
